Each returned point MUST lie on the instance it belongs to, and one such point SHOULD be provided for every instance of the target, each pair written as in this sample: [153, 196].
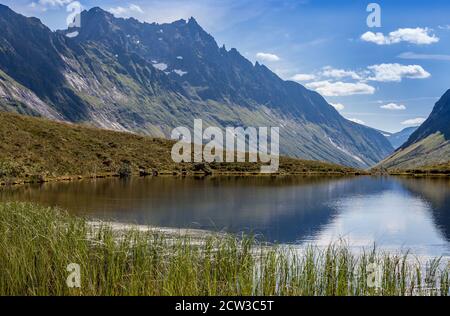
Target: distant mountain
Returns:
[399, 138]
[149, 78]
[429, 144]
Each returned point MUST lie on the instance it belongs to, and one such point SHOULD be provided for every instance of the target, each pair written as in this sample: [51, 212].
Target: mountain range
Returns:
[429, 145]
[148, 78]
[399, 138]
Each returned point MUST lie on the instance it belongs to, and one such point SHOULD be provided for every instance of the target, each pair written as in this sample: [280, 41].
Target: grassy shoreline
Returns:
[19, 181]
[424, 172]
[37, 244]
[39, 150]
[407, 174]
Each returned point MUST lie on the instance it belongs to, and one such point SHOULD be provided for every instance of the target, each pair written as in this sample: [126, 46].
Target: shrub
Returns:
[202, 167]
[9, 170]
[125, 170]
[37, 178]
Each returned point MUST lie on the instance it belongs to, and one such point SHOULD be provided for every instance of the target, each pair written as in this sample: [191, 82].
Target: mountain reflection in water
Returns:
[398, 213]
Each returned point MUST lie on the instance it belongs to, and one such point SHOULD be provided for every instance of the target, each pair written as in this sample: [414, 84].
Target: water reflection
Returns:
[393, 212]
[437, 193]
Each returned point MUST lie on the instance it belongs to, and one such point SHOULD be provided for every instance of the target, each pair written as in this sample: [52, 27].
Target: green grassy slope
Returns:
[428, 148]
[429, 154]
[35, 149]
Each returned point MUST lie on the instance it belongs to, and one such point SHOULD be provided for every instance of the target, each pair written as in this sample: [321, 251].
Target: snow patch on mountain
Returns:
[180, 72]
[160, 66]
[346, 151]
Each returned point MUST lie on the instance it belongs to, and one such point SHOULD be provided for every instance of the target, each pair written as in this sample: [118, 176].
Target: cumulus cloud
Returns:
[381, 72]
[339, 73]
[126, 11]
[44, 5]
[334, 89]
[377, 38]
[355, 120]
[409, 55]
[418, 36]
[267, 57]
[393, 107]
[330, 81]
[337, 106]
[303, 77]
[54, 3]
[395, 72]
[415, 121]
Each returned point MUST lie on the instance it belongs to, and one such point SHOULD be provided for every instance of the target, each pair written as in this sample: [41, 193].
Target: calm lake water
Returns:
[395, 213]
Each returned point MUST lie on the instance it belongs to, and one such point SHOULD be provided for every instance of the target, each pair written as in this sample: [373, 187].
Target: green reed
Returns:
[37, 244]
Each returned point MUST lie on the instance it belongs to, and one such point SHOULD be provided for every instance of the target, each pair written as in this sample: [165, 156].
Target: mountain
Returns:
[429, 144]
[399, 138]
[146, 78]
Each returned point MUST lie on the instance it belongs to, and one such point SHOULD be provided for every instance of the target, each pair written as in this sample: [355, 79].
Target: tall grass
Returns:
[37, 244]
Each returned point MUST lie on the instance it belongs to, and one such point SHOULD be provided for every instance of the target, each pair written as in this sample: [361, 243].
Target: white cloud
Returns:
[126, 11]
[419, 36]
[355, 120]
[444, 27]
[393, 107]
[213, 16]
[409, 55]
[135, 8]
[339, 73]
[54, 3]
[382, 73]
[337, 106]
[267, 57]
[377, 38]
[45, 5]
[333, 89]
[303, 77]
[395, 72]
[327, 80]
[415, 121]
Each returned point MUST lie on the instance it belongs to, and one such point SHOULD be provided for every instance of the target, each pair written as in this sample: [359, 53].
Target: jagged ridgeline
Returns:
[149, 78]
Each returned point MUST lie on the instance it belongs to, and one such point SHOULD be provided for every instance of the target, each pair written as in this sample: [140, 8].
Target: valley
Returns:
[125, 75]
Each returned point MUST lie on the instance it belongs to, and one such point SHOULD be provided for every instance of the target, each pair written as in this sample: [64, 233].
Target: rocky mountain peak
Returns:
[147, 77]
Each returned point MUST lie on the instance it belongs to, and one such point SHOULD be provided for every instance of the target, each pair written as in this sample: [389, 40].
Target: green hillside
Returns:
[426, 157]
[36, 149]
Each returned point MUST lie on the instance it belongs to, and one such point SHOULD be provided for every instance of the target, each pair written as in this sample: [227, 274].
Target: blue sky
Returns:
[387, 77]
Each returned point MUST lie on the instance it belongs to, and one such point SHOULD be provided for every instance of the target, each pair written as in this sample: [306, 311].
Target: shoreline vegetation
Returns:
[435, 170]
[37, 150]
[37, 244]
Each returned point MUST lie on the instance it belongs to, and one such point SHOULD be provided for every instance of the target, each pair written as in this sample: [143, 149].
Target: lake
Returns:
[394, 213]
